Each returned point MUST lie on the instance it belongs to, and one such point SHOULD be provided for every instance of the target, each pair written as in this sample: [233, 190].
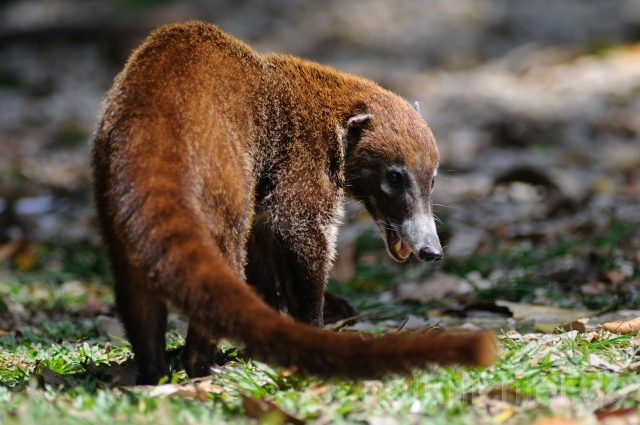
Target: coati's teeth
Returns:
[398, 246]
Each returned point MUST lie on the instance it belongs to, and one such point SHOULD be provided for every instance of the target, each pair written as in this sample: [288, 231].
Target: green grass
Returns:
[438, 395]
[55, 366]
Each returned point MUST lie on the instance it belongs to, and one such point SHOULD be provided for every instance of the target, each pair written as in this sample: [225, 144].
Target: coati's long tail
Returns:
[217, 302]
[239, 313]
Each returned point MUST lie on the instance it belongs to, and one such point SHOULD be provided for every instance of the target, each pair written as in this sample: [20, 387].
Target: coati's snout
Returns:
[401, 244]
[400, 203]
[404, 215]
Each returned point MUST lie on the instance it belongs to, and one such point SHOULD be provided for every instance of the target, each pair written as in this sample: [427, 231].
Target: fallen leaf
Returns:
[93, 307]
[267, 412]
[381, 420]
[208, 387]
[577, 325]
[555, 420]
[199, 391]
[122, 376]
[560, 404]
[500, 411]
[49, 377]
[25, 255]
[164, 390]
[504, 393]
[7, 250]
[626, 415]
[616, 276]
[544, 313]
[593, 288]
[622, 328]
[318, 389]
[599, 363]
[604, 401]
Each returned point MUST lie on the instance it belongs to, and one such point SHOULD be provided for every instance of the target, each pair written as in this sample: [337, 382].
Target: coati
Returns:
[219, 177]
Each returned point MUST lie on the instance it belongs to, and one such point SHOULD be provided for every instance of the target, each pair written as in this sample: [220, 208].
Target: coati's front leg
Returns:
[291, 247]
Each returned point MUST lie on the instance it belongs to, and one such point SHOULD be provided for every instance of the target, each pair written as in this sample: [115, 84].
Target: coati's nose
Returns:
[431, 254]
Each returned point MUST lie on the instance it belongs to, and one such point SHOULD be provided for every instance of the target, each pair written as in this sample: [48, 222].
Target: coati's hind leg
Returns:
[198, 354]
[200, 346]
[144, 318]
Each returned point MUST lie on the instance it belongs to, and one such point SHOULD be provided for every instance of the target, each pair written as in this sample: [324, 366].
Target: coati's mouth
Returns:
[396, 247]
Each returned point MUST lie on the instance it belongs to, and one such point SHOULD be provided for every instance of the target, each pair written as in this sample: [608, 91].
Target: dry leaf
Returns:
[199, 392]
[25, 255]
[500, 411]
[626, 415]
[593, 288]
[555, 420]
[504, 393]
[93, 307]
[599, 363]
[208, 387]
[267, 412]
[577, 325]
[7, 251]
[122, 376]
[622, 328]
[604, 401]
[560, 404]
[546, 318]
[615, 276]
[49, 377]
[381, 420]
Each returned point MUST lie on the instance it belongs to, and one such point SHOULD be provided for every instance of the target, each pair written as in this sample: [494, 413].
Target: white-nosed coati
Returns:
[214, 166]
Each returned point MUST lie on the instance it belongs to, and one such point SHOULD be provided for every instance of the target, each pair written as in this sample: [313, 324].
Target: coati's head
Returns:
[391, 165]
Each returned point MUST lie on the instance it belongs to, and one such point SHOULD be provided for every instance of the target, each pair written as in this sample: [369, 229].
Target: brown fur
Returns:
[213, 166]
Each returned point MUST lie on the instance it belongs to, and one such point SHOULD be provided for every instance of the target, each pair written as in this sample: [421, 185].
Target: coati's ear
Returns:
[351, 134]
[416, 106]
[358, 121]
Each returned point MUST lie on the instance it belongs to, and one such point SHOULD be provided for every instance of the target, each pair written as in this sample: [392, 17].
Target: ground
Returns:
[538, 198]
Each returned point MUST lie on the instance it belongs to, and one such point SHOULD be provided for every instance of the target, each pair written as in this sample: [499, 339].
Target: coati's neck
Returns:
[303, 107]
[329, 95]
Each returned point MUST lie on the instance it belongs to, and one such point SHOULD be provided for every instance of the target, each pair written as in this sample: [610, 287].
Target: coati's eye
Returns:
[394, 177]
[433, 183]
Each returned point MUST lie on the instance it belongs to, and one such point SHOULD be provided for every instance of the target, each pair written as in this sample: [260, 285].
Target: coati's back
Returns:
[169, 124]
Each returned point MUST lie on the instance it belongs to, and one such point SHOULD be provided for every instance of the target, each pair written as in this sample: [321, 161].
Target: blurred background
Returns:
[535, 106]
